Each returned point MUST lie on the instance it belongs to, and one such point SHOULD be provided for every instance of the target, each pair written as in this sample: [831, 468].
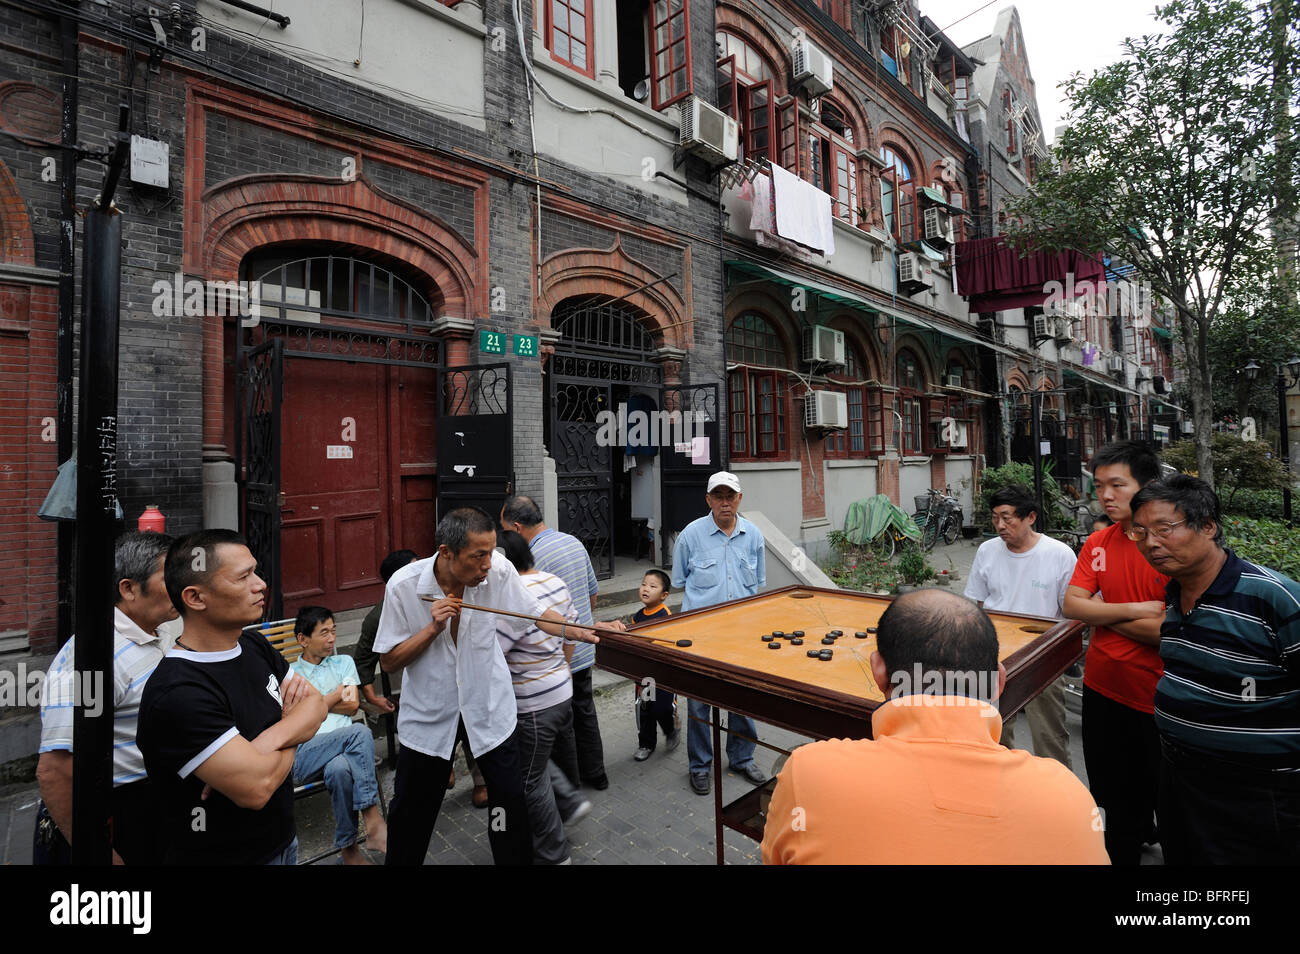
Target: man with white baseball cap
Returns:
[719, 557]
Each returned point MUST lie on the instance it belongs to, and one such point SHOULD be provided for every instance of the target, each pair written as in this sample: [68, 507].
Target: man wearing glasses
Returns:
[1122, 597]
[1228, 705]
[719, 557]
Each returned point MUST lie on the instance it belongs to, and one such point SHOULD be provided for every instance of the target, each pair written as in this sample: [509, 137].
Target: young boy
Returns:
[654, 704]
[1121, 749]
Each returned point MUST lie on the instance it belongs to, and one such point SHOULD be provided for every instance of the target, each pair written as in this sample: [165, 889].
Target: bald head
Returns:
[937, 631]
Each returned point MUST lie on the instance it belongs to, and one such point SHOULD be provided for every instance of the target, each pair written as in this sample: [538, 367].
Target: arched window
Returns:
[746, 93]
[864, 435]
[834, 160]
[299, 287]
[898, 194]
[757, 392]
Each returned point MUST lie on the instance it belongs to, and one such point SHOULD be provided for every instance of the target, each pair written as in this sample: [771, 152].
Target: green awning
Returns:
[1097, 379]
[935, 196]
[932, 253]
[1162, 332]
[853, 300]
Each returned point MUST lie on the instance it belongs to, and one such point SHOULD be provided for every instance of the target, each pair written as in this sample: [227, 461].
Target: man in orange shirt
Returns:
[1123, 598]
[934, 786]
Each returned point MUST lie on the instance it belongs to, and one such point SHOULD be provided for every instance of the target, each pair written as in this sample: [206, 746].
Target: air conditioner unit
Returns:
[708, 132]
[912, 271]
[954, 380]
[958, 441]
[1063, 335]
[938, 226]
[1042, 327]
[1115, 363]
[825, 409]
[813, 69]
[822, 345]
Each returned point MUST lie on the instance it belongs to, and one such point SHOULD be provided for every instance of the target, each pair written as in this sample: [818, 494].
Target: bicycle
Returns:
[938, 515]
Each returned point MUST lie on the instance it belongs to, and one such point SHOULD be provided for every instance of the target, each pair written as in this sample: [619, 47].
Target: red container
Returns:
[152, 519]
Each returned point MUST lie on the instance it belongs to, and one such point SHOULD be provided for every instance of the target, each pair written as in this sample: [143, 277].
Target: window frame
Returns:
[657, 24]
[588, 41]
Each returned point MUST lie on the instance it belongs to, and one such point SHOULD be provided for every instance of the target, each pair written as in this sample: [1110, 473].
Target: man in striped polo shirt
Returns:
[141, 607]
[1228, 705]
[580, 753]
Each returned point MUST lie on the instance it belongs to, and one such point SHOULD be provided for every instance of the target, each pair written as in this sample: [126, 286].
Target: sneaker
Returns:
[750, 771]
[672, 740]
[700, 783]
[643, 753]
[578, 814]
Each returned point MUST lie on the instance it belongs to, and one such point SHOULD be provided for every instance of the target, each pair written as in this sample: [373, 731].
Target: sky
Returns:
[1061, 37]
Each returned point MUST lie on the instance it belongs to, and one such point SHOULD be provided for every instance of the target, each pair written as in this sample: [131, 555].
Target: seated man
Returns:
[342, 750]
[934, 786]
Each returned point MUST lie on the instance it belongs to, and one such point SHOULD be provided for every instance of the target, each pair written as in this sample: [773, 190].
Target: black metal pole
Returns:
[92, 726]
[92, 734]
[67, 302]
[1035, 406]
[1284, 441]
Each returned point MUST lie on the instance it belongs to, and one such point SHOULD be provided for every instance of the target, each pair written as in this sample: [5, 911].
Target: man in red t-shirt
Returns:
[1116, 591]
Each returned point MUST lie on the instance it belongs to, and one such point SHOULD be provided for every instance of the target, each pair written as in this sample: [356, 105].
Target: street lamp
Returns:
[1288, 375]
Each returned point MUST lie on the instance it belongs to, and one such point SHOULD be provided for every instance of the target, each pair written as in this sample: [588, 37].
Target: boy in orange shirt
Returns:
[1121, 749]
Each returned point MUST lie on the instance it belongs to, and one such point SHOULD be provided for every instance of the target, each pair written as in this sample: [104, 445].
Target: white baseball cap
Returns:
[724, 479]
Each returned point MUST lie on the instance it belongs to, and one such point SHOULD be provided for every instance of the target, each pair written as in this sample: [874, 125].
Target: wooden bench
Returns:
[280, 634]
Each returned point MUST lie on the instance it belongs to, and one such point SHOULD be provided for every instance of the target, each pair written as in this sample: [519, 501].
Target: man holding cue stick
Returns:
[456, 672]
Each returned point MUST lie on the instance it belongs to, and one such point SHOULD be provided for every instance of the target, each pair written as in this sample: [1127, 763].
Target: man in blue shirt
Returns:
[717, 558]
[342, 752]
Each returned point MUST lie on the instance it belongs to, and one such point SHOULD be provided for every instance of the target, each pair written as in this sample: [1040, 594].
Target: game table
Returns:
[729, 665]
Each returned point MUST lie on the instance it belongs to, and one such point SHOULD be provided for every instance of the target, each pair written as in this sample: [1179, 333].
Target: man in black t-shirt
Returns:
[223, 715]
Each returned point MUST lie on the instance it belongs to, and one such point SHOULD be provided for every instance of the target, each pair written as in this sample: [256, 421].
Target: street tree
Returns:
[1169, 162]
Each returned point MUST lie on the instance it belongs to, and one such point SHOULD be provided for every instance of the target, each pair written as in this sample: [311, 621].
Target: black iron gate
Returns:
[684, 482]
[475, 439]
[583, 468]
[260, 389]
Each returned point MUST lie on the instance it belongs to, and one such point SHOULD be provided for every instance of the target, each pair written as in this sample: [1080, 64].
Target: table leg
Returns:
[716, 719]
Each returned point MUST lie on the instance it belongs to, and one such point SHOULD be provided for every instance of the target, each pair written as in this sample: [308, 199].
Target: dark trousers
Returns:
[421, 783]
[135, 832]
[650, 712]
[1121, 752]
[1214, 812]
[580, 754]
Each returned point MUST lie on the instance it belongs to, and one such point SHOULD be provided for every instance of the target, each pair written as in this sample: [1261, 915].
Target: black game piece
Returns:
[828, 640]
[773, 645]
[871, 629]
[860, 635]
[797, 632]
[813, 654]
[796, 641]
[766, 637]
[824, 655]
[777, 633]
[837, 632]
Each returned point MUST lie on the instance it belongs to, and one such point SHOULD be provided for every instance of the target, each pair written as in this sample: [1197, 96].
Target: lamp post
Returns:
[1287, 376]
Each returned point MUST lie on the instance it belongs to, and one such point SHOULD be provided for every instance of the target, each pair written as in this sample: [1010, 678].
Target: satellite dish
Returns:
[642, 90]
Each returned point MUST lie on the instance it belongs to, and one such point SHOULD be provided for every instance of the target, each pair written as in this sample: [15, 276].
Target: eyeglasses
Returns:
[1138, 534]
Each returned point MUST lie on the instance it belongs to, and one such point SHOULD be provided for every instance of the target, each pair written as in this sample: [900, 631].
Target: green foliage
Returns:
[1238, 465]
[1257, 504]
[1055, 503]
[1261, 323]
[913, 567]
[1266, 542]
[859, 568]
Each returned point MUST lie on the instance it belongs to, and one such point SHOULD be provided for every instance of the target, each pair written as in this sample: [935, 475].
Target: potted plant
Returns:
[913, 569]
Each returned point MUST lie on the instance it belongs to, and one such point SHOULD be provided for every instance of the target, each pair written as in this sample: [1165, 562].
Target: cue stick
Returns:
[538, 619]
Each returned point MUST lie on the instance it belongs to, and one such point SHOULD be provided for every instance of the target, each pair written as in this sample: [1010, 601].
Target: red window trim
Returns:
[590, 71]
[655, 76]
[748, 448]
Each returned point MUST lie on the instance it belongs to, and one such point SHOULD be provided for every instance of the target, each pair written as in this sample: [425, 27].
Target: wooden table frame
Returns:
[799, 706]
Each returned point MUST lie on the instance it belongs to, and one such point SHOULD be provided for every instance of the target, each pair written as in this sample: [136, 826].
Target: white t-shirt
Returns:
[1032, 582]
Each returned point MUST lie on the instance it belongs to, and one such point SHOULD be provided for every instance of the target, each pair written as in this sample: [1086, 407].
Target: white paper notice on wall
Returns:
[700, 450]
[1045, 448]
[338, 452]
[684, 448]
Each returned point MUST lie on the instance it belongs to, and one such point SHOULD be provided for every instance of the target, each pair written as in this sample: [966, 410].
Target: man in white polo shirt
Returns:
[1023, 571]
[456, 672]
[141, 607]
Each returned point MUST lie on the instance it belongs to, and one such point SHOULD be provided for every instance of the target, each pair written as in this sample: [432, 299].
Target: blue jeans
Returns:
[287, 857]
[346, 758]
[699, 739]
